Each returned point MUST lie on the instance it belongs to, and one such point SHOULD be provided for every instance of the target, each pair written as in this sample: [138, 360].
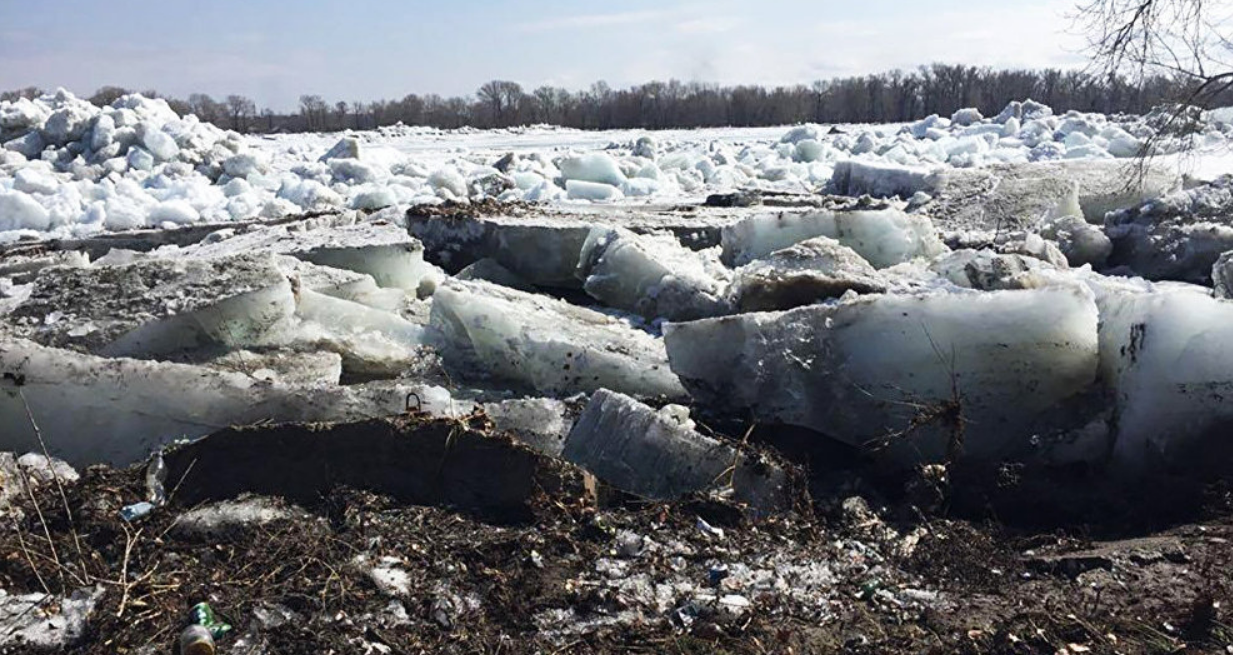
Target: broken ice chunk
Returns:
[548, 345]
[383, 250]
[540, 423]
[1222, 276]
[638, 450]
[802, 274]
[881, 180]
[370, 341]
[1081, 242]
[491, 270]
[884, 237]
[899, 370]
[1178, 236]
[987, 270]
[653, 276]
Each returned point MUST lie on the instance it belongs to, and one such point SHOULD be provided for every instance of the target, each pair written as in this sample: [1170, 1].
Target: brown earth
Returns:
[844, 574]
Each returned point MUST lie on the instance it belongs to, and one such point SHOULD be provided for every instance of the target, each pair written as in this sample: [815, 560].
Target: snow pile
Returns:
[69, 168]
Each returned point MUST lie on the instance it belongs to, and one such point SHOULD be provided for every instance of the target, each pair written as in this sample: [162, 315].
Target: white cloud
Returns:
[707, 25]
[590, 20]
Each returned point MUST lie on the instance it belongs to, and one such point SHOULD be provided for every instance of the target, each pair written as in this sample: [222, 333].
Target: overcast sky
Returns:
[276, 50]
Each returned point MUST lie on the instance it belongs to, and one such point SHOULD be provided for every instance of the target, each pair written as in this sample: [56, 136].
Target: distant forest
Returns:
[886, 97]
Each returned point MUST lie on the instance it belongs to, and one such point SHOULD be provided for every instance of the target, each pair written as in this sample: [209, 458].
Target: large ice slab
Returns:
[487, 331]
[638, 450]
[154, 307]
[93, 409]
[1106, 185]
[869, 370]
[883, 236]
[882, 179]
[654, 276]
[1166, 356]
[383, 250]
[542, 246]
[1001, 198]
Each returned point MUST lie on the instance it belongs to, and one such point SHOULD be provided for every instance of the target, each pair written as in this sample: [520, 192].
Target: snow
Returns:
[140, 141]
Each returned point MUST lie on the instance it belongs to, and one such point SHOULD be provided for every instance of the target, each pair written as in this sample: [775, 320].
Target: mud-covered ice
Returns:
[152, 307]
[386, 252]
[802, 274]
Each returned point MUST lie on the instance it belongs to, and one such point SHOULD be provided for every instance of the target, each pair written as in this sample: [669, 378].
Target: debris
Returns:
[136, 511]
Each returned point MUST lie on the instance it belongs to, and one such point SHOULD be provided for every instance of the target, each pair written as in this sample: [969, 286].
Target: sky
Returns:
[359, 50]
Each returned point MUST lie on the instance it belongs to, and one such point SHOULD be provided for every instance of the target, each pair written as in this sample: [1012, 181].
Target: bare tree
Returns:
[29, 93]
[502, 99]
[313, 109]
[107, 95]
[206, 108]
[1187, 39]
[240, 109]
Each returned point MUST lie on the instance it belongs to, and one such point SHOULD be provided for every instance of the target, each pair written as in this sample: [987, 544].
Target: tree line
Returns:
[893, 96]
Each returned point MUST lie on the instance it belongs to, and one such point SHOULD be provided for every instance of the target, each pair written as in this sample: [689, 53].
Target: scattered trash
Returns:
[156, 477]
[136, 511]
[709, 529]
[203, 615]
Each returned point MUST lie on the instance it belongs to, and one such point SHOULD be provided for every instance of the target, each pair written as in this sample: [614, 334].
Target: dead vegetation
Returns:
[596, 574]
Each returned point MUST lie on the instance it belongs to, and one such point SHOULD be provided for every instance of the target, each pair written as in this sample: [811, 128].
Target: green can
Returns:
[203, 615]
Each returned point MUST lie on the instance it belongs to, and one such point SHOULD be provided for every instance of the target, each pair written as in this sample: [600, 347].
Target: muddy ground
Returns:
[953, 562]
